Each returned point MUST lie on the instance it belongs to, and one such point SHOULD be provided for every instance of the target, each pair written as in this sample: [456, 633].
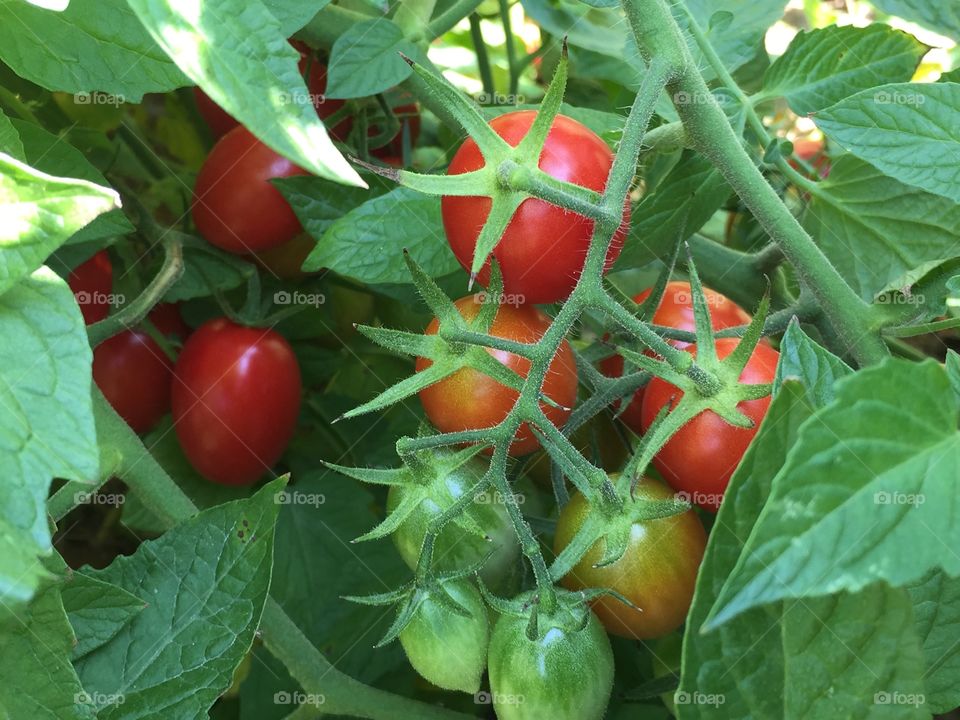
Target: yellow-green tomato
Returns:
[448, 649]
[657, 573]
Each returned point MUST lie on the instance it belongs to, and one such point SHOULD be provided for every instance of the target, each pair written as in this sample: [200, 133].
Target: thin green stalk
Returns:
[483, 59]
[511, 47]
[447, 20]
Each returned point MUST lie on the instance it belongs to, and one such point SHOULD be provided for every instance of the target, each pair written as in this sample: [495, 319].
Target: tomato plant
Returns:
[235, 400]
[263, 459]
[542, 250]
[656, 574]
[469, 399]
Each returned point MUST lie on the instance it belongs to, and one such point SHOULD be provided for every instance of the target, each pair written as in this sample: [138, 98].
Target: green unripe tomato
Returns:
[566, 673]
[448, 649]
[455, 548]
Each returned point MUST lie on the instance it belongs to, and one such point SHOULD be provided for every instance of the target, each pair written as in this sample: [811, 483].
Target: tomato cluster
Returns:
[234, 391]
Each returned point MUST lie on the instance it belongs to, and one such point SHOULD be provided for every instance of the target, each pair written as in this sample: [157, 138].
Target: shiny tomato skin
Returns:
[236, 397]
[657, 573]
[469, 400]
[92, 283]
[133, 374]
[701, 457]
[234, 205]
[676, 311]
[542, 251]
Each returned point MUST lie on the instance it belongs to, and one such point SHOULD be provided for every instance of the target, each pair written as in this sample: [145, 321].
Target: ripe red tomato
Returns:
[234, 205]
[221, 122]
[676, 311]
[134, 373]
[392, 152]
[542, 251]
[657, 573]
[236, 396]
[92, 283]
[811, 150]
[469, 400]
[701, 457]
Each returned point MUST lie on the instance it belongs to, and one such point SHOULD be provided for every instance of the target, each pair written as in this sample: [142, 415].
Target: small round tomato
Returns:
[448, 649]
[92, 283]
[543, 248]
[234, 205]
[701, 457]
[564, 673]
[676, 311]
[286, 261]
[392, 152]
[470, 400]
[657, 573]
[454, 547]
[134, 373]
[811, 150]
[236, 397]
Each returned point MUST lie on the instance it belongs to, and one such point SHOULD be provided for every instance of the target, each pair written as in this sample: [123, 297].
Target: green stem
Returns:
[511, 48]
[483, 59]
[448, 19]
[18, 106]
[707, 126]
[926, 328]
[135, 311]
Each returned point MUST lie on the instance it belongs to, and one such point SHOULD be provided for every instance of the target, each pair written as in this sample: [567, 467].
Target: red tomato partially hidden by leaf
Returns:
[133, 374]
[168, 321]
[469, 399]
[236, 396]
[218, 120]
[701, 457]
[542, 251]
[234, 205]
[676, 311]
[92, 283]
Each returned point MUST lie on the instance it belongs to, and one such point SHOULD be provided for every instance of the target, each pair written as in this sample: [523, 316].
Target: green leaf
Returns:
[936, 609]
[824, 66]
[317, 563]
[362, 246]
[858, 213]
[905, 130]
[9, 139]
[46, 421]
[38, 681]
[97, 610]
[318, 202]
[823, 657]
[237, 52]
[53, 155]
[206, 581]
[600, 30]
[941, 17]
[93, 45]
[365, 60]
[734, 41]
[207, 268]
[813, 365]
[866, 495]
[679, 206]
[38, 212]
[294, 14]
